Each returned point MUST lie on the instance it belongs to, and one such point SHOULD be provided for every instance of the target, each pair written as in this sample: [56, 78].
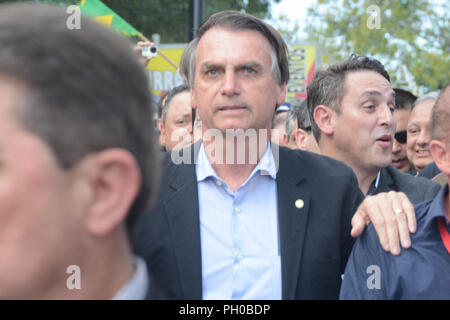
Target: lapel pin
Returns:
[299, 203]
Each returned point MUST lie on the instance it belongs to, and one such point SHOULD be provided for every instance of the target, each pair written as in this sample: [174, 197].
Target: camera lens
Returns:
[153, 49]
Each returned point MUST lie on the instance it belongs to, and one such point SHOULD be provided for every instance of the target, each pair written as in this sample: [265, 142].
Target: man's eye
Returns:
[370, 107]
[249, 70]
[212, 72]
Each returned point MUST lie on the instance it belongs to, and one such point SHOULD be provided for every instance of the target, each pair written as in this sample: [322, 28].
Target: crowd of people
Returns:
[242, 195]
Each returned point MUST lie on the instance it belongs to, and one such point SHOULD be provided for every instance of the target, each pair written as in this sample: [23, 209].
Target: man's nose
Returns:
[396, 147]
[230, 84]
[424, 137]
[386, 118]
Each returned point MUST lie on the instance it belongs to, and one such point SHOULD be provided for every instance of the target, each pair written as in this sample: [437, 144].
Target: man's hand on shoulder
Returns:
[393, 217]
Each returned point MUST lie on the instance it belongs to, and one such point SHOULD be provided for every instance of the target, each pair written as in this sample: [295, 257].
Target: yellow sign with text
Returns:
[161, 74]
[302, 63]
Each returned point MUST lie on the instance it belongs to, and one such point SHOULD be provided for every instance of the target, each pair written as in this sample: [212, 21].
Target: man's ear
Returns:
[441, 155]
[301, 139]
[162, 132]
[324, 118]
[115, 180]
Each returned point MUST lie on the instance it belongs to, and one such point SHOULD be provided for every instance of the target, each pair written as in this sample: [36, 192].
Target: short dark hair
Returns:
[440, 116]
[404, 99]
[85, 89]
[328, 86]
[170, 95]
[161, 102]
[236, 21]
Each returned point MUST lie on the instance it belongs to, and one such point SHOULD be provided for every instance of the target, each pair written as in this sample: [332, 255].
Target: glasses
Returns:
[400, 136]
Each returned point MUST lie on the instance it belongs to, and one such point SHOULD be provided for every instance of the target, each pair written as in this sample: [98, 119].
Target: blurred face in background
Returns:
[176, 129]
[419, 135]
[279, 130]
[399, 158]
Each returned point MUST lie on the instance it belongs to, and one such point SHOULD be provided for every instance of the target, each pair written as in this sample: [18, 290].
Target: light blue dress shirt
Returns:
[239, 233]
[135, 288]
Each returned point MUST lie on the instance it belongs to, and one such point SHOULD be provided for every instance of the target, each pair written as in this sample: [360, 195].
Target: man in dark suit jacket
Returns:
[305, 204]
[352, 104]
[314, 238]
[417, 189]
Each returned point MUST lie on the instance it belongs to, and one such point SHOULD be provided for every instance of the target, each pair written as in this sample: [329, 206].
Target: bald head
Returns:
[440, 118]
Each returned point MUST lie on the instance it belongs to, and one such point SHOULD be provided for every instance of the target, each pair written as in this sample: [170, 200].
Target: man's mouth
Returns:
[231, 108]
[423, 153]
[384, 140]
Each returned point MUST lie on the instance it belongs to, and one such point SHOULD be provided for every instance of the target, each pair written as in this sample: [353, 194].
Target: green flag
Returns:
[103, 14]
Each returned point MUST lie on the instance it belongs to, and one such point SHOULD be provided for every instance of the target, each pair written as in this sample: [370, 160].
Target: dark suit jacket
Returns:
[315, 240]
[417, 189]
[430, 171]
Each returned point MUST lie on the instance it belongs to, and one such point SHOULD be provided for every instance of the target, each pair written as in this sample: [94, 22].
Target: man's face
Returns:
[39, 227]
[234, 86]
[419, 136]
[177, 129]
[399, 158]
[364, 129]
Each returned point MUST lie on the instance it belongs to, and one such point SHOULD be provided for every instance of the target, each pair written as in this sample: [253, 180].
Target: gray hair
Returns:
[298, 112]
[187, 58]
[433, 95]
[236, 21]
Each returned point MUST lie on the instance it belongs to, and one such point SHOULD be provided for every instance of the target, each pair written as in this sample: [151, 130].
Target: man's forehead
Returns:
[368, 83]
[220, 37]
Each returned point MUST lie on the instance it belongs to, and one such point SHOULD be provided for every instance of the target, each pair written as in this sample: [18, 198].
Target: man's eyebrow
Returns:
[249, 64]
[207, 64]
[376, 93]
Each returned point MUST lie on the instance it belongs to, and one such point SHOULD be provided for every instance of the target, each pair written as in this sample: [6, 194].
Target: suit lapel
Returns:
[181, 207]
[293, 210]
[386, 182]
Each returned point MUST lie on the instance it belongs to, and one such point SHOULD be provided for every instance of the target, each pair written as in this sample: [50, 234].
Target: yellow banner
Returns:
[162, 75]
[302, 62]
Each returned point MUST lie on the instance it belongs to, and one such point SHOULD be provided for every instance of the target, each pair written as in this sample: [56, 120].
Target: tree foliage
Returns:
[412, 33]
[170, 18]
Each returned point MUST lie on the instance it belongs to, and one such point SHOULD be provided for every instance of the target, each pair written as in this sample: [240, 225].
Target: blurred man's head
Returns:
[404, 101]
[175, 125]
[440, 132]
[418, 131]
[77, 154]
[279, 125]
[352, 103]
[298, 127]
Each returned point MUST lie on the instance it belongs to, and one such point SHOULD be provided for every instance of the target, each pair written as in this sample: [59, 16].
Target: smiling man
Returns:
[353, 104]
[418, 132]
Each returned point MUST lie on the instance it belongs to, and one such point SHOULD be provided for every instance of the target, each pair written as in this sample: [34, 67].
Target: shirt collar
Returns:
[437, 207]
[266, 165]
[136, 288]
